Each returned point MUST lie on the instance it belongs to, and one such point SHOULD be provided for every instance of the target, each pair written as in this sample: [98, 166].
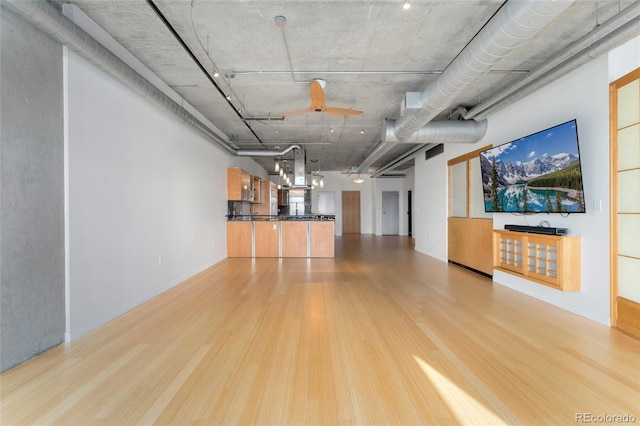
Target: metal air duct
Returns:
[452, 131]
[612, 33]
[512, 26]
[49, 20]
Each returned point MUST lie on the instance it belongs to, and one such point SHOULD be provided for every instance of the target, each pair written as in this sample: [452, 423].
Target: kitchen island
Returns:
[280, 236]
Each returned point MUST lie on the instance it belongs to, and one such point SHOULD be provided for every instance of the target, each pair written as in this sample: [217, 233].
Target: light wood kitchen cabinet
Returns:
[263, 207]
[321, 239]
[294, 238]
[239, 185]
[239, 239]
[266, 236]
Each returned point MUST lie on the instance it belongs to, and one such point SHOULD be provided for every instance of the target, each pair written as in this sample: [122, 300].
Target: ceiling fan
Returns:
[316, 87]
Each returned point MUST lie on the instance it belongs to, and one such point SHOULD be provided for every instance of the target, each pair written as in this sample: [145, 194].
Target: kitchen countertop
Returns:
[257, 217]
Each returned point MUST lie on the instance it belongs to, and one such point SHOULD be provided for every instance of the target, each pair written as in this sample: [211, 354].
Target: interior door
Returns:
[390, 212]
[409, 215]
[625, 202]
[350, 212]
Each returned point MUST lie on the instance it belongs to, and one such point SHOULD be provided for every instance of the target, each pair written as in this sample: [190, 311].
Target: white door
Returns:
[390, 212]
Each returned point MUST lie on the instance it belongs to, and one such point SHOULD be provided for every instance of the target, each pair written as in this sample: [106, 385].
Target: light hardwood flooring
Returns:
[379, 335]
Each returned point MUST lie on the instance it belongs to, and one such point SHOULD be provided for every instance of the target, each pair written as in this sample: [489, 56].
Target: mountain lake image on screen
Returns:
[539, 173]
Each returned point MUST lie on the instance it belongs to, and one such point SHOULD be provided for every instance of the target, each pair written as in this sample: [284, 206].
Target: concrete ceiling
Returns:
[370, 52]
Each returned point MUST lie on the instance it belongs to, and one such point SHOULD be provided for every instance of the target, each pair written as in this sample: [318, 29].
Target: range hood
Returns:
[299, 169]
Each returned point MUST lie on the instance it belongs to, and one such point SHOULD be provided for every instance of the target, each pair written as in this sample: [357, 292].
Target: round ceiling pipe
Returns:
[446, 131]
[48, 19]
[511, 27]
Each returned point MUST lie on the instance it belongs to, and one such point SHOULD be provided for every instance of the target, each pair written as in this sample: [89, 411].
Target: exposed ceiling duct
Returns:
[452, 131]
[613, 32]
[512, 26]
[266, 152]
[48, 19]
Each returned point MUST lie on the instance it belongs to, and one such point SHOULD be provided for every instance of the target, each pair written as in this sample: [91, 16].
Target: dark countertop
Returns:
[257, 217]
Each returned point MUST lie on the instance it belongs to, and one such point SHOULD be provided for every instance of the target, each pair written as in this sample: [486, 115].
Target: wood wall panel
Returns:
[471, 243]
[628, 316]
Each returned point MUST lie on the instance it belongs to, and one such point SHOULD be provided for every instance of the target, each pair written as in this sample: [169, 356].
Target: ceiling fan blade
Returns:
[317, 95]
[300, 111]
[341, 111]
[316, 88]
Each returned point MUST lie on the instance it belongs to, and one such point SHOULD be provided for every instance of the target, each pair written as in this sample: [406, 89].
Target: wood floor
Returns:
[379, 335]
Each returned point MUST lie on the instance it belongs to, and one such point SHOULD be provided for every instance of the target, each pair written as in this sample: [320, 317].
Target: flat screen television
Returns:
[539, 173]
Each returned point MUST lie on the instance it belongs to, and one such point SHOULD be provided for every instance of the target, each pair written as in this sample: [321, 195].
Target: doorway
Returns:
[390, 212]
[350, 212]
[409, 215]
[625, 202]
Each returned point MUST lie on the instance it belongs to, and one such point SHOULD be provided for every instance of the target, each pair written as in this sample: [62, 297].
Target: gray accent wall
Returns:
[32, 280]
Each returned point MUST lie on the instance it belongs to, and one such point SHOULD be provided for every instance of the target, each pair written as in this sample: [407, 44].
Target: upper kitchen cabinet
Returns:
[239, 185]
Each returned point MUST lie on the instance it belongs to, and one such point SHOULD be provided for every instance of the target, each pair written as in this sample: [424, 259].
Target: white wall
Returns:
[584, 95]
[581, 94]
[624, 59]
[146, 199]
[430, 200]
[338, 182]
